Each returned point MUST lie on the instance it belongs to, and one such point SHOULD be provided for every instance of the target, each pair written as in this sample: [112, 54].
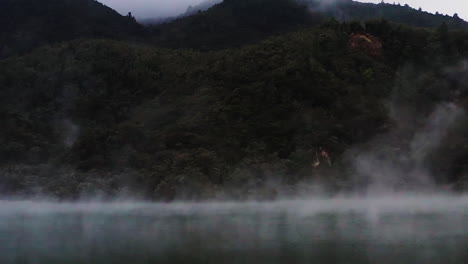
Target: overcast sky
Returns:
[150, 8]
[164, 8]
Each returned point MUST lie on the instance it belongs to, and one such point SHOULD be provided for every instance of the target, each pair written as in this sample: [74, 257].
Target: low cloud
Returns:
[151, 8]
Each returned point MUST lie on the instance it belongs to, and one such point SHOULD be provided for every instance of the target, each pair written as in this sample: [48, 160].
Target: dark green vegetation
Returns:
[27, 24]
[203, 6]
[347, 9]
[90, 116]
[234, 23]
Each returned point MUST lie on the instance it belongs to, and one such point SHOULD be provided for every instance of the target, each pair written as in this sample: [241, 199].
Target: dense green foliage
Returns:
[27, 24]
[234, 23]
[347, 9]
[181, 121]
[89, 116]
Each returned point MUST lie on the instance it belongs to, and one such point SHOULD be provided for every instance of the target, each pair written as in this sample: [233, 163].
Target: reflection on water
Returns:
[382, 230]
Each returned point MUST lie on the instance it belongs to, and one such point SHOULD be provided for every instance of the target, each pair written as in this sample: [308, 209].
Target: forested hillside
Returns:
[27, 24]
[234, 23]
[404, 14]
[203, 6]
[266, 96]
[101, 115]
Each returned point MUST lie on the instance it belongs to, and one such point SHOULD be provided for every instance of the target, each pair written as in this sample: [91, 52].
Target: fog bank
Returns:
[166, 8]
[398, 229]
[151, 8]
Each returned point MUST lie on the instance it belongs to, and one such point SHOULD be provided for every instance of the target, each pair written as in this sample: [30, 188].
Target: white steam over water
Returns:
[402, 229]
[384, 224]
[436, 128]
[404, 168]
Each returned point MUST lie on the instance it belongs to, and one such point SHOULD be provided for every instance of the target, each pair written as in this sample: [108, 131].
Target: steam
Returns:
[436, 128]
[302, 231]
[70, 132]
[399, 167]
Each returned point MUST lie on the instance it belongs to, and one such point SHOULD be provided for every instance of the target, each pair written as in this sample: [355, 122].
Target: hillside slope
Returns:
[27, 24]
[234, 23]
[89, 116]
[344, 10]
[205, 5]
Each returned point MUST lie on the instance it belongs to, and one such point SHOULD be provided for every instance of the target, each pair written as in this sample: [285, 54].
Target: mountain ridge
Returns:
[100, 115]
[28, 24]
[292, 104]
[223, 25]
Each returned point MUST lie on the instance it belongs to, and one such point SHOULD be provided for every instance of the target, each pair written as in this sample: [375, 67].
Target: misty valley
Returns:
[239, 131]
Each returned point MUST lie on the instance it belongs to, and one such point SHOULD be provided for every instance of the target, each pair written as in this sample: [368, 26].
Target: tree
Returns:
[442, 31]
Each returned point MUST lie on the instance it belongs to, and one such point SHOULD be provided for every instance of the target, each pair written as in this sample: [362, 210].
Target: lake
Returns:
[398, 229]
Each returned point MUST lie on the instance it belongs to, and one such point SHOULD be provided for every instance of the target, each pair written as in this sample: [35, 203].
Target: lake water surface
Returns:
[401, 229]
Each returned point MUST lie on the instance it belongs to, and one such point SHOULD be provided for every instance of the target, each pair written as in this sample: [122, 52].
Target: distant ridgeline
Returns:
[191, 10]
[234, 23]
[106, 116]
[203, 6]
[347, 10]
[26, 24]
